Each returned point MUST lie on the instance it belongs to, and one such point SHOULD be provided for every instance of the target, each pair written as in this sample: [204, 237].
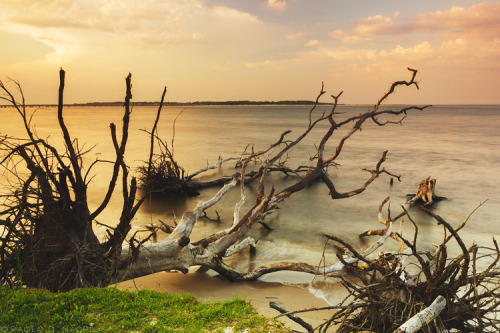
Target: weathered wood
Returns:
[424, 317]
[177, 251]
[471, 295]
[293, 317]
[209, 251]
[425, 193]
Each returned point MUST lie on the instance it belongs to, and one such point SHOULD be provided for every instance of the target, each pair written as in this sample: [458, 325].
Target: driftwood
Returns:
[425, 194]
[424, 317]
[48, 238]
[411, 290]
[166, 176]
[210, 251]
[293, 317]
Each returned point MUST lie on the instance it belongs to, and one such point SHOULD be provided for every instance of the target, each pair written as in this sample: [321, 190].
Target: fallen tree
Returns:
[165, 175]
[411, 290]
[48, 237]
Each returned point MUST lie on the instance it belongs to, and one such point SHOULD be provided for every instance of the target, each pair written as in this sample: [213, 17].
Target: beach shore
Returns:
[206, 288]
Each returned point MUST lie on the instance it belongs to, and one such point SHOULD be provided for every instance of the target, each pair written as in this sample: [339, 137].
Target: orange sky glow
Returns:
[212, 50]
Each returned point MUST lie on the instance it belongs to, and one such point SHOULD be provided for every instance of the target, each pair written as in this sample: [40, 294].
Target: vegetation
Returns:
[112, 310]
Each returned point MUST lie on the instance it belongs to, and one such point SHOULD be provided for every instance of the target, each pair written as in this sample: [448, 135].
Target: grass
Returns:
[113, 310]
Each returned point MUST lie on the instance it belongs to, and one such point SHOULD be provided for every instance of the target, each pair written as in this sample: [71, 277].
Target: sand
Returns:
[206, 288]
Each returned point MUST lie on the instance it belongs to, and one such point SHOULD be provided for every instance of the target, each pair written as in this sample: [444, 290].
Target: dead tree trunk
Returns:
[179, 252]
[52, 201]
[48, 238]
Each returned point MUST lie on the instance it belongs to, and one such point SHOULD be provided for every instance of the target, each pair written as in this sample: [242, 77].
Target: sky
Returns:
[266, 50]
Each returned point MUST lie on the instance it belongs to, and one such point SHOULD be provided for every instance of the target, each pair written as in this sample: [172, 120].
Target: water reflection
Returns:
[457, 145]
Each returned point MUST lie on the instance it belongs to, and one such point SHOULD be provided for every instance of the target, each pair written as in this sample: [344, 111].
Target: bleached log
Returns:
[243, 198]
[379, 242]
[233, 234]
[237, 208]
[424, 317]
[175, 251]
[289, 266]
[179, 253]
[211, 167]
[188, 220]
[335, 267]
[241, 245]
[352, 259]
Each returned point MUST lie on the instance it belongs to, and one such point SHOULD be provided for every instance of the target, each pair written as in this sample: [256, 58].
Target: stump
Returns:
[425, 194]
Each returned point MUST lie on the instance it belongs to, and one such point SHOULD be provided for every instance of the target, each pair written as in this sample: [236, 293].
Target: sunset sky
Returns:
[252, 49]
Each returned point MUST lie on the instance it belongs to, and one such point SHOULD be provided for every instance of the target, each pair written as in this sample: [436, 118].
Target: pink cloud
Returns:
[480, 21]
[375, 25]
[276, 4]
[312, 42]
[295, 35]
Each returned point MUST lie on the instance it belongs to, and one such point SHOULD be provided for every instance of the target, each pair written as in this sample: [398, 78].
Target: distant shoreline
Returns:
[226, 103]
[202, 103]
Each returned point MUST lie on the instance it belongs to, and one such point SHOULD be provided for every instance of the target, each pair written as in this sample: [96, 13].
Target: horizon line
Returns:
[234, 102]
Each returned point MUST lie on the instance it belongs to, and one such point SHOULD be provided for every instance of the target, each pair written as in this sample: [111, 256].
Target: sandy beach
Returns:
[206, 288]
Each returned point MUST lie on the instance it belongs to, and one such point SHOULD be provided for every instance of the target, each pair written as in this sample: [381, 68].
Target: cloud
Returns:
[459, 37]
[21, 48]
[480, 21]
[262, 64]
[296, 35]
[458, 17]
[276, 4]
[74, 26]
[423, 50]
[312, 42]
[109, 15]
[234, 31]
[348, 38]
[375, 25]
[454, 47]
[417, 52]
[232, 14]
[137, 18]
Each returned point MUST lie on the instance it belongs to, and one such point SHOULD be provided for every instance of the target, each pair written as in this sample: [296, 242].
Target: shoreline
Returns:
[202, 103]
[206, 288]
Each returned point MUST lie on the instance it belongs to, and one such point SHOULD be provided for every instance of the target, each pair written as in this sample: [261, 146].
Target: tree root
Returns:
[386, 297]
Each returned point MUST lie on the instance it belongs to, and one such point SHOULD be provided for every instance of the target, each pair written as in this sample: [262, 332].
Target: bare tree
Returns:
[410, 289]
[48, 238]
[178, 252]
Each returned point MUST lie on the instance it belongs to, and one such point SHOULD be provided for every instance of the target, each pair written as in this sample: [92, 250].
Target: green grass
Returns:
[112, 310]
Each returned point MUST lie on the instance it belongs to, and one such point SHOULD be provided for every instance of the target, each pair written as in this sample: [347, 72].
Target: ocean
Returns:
[458, 145]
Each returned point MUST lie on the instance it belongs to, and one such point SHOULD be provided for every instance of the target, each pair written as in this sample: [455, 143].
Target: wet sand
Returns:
[206, 288]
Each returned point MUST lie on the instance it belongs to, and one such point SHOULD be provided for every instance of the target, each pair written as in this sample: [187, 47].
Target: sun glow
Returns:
[236, 50]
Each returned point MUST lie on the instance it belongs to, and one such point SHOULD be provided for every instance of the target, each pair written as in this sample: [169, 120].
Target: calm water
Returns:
[457, 145]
